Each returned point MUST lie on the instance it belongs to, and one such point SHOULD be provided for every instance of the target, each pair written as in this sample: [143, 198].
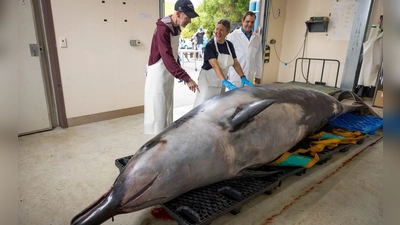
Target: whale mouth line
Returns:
[156, 200]
[141, 192]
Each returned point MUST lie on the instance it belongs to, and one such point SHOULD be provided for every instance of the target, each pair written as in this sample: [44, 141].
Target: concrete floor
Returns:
[64, 170]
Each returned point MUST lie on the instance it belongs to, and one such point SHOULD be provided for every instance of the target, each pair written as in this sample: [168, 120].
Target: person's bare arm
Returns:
[238, 67]
[192, 85]
[214, 63]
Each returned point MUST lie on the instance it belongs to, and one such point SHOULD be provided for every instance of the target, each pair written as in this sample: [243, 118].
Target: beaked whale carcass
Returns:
[218, 140]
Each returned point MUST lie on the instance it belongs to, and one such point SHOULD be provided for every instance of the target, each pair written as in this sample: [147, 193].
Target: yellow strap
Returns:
[350, 141]
[317, 146]
[301, 150]
[345, 133]
[280, 159]
[317, 136]
[312, 162]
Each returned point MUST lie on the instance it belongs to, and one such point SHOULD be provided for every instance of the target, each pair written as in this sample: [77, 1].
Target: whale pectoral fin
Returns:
[257, 173]
[242, 117]
[364, 109]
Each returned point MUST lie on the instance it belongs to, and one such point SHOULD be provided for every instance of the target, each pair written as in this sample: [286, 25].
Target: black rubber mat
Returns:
[203, 205]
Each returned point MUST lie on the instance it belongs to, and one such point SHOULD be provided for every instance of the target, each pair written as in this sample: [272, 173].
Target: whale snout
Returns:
[99, 211]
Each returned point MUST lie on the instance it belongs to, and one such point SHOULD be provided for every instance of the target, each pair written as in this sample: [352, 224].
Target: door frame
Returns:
[44, 26]
[265, 7]
[358, 33]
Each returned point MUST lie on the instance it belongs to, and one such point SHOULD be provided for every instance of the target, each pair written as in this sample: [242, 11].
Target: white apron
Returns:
[372, 59]
[159, 94]
[209, 84]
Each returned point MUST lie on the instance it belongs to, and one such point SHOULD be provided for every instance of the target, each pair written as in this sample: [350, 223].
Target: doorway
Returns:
[34, 112]
[184, 99]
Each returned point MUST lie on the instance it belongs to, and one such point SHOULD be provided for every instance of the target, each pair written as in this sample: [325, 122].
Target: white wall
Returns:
[318, 44]
[100, 71]
[275, 31]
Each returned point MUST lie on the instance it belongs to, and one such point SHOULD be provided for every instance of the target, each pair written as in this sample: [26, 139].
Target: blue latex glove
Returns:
[228, 85]
[247, 82]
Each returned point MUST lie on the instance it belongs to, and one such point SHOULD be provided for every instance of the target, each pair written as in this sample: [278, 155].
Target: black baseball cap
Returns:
[186, 7]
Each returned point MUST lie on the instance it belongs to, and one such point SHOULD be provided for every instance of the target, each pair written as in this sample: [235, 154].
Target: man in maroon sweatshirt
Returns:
[163, 66]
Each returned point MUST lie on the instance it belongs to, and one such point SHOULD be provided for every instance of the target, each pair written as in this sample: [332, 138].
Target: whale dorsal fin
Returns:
[247, 114]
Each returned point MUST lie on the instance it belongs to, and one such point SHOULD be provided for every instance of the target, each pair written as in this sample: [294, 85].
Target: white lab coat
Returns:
[209, 84]
[159, 94]
[249, 54]
[372, 59]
